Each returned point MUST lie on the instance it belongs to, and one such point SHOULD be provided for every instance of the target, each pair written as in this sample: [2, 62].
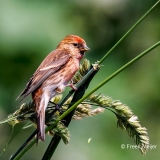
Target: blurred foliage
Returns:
[29, 30]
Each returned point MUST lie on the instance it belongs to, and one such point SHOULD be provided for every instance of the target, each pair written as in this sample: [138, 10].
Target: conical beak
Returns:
[85, 48]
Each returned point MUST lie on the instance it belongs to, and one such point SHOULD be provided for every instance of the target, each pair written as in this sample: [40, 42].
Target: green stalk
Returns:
[88, 94]
[128, 32]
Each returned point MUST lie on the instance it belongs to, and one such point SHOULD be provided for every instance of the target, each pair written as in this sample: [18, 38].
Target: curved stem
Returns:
[128, 32]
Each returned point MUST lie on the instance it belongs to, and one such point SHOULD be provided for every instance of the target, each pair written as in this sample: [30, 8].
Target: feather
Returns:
[41, 125]
[45, 70]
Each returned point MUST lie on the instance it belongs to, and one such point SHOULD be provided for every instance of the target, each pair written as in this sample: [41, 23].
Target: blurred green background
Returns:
[29, 30]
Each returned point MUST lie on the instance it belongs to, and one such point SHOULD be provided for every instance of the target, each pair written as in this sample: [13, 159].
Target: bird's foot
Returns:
[72, 85]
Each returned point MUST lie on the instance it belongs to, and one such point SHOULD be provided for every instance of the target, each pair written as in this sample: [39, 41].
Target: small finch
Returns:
[53, 75]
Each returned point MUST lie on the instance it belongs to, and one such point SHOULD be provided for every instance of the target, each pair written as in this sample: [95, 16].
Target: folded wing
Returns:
[51, 64]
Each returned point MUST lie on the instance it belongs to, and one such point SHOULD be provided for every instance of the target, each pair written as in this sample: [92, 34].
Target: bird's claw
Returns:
[72, 85]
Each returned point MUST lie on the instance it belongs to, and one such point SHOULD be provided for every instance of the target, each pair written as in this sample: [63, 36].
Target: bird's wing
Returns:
[51, 64]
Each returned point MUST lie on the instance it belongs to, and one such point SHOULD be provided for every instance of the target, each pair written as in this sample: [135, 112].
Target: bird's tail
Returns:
[41, 125]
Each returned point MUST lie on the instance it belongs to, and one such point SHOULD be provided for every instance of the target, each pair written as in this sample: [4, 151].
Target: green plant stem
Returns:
[128, 32]
[88, 94]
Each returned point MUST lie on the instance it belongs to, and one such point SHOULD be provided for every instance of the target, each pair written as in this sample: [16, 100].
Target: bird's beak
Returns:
[85, 48]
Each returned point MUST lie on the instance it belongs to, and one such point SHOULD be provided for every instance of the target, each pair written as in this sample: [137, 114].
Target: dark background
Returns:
[29, 30]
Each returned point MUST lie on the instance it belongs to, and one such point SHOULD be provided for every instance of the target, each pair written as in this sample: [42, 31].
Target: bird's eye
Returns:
[75, 44]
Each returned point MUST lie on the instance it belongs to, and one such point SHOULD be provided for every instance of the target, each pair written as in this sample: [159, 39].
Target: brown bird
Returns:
[53, 75]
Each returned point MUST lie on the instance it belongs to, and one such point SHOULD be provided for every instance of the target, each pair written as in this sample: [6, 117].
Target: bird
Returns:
[53, 75]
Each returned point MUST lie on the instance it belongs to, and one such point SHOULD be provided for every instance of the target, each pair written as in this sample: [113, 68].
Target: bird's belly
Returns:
[53, 87]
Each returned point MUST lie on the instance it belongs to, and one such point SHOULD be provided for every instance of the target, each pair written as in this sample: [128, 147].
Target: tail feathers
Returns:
[41, 125]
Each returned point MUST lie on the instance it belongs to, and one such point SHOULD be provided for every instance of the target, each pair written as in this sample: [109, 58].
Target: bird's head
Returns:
[74, 44]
